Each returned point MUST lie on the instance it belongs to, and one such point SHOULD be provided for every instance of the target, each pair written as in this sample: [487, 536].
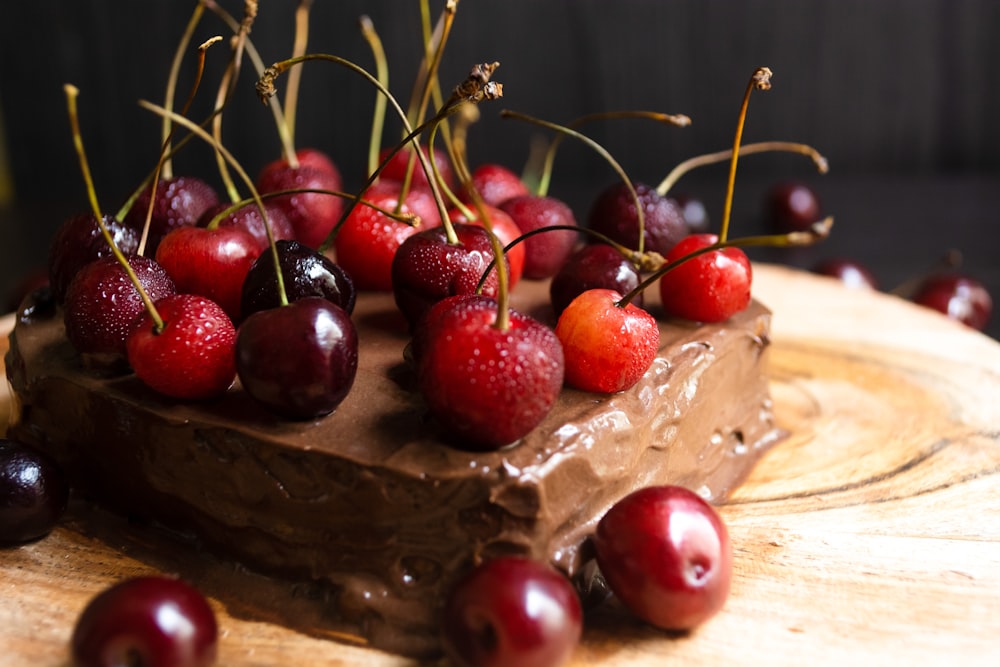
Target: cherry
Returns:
[147, 621]
[710, 287]
[512, 611]
[311, 214]
[79, 242]
[495, 184]
[193, 356]
[210, 262]
[298, 360]
[848, 271]
[958, 296]
[666, 555]
[506, 230]
[304, 271]
[695, 213]
[544, 254]
[614, 214]
[248, 217]
[33, 493]
[792, 207]
[427, 268]
[593, 266]
[317, 159]
[102, 304]
[180, 201]
[367, 242]
[608, 346]
[395, 169]
[488, 385]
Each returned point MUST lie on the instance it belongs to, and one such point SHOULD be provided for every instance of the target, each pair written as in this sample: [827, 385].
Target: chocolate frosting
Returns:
[372, 503]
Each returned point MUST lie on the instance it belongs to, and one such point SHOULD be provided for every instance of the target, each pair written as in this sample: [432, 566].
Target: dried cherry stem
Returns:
[72, 92]
[382, 74]
[168, 99]
[749, 149]
[760, 80]
[639, 214]
[295, 76]
[228, 157]
[817, 232]
[287, 146]
[676, 120]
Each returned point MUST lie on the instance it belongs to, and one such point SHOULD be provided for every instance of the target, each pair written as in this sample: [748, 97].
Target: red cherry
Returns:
[210, 262]
[495, 184]
[544, 254]
[711, 287]
[298, 360]
[180, 202]
[666, 555]
[853, 274]
[512, 612]
[102, 304]
[249, 218]
[608, 347]
[958, 296]
[368, 240]
[487, 386]
[312, 214]
[193, 357]
[792, 207]
[506, 231]
[317, 159]
[395, 169]
[427, 268]
[152, 621]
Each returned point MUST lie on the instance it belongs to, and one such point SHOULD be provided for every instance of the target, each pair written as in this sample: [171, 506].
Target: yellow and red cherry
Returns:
[193, 355]
[487, 386]
[608, 345]
[709, 287]
[544, 254]
[512, 612]
[666, 555]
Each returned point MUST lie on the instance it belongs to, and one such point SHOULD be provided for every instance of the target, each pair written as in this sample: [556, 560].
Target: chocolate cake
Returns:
[372, 503]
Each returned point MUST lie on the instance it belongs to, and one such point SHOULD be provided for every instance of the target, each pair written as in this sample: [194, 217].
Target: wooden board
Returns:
[871, 536]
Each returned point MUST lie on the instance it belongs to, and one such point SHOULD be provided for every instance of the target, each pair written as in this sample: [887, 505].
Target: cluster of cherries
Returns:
[794, 205]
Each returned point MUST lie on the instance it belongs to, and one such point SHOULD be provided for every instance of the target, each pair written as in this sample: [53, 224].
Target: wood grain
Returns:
[870, 536]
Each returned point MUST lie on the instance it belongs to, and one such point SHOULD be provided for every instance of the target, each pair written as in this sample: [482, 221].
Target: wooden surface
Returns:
[871, 536]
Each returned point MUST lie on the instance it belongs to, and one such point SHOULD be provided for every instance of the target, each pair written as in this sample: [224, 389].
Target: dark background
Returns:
[902, 96]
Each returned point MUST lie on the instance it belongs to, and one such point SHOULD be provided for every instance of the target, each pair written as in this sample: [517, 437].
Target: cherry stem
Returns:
[749, 149]
[382, 73]
[760, 80]
[175, 66]
[295, 76]
[287, 145]
[817, 232]
[639, 214]
[677, 120]
[222, 151]
[71, 94]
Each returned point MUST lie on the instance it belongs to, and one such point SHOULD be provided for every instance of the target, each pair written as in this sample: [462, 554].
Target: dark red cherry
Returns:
[427, 268]
[311, 214]
[305, 272]
[33, 493]
[792, 207]
[596, 266]
[958, 296]
[79, 242]
[495, 184]
[148, 621]
[544, 254]
[848, 271]
[695, 213]
[298, 360]
[710, 287]
[487, 386]
[512, 612]
[248, 217]
[102, 304]
[179, 202]
[666, 555]
[614, 214]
